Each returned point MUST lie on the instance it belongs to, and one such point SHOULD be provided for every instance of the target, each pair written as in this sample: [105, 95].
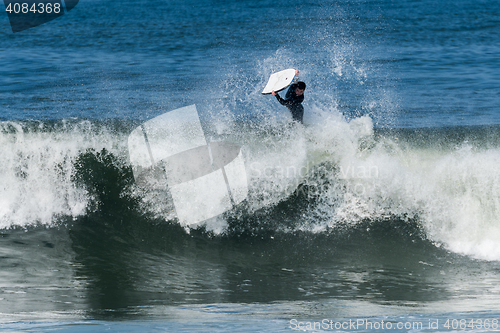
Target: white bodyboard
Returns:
[279, 81]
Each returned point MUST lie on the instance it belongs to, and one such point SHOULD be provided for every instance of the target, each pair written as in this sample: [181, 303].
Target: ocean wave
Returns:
[324, 177]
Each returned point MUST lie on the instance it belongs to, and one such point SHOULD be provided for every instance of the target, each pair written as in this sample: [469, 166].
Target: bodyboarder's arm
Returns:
[281, 100]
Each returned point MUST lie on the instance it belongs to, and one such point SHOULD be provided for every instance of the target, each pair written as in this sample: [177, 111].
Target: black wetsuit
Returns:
[293, 103]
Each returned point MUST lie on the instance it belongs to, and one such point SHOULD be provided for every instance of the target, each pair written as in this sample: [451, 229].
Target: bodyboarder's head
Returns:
[301, 86]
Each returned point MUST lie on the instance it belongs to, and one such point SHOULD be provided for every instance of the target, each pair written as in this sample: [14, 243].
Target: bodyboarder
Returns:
[294, 98]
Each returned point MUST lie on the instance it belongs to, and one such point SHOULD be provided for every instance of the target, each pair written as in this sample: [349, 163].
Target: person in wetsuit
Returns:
[293, 99]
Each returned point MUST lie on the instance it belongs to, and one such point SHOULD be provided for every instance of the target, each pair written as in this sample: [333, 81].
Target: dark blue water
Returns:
[382, 208]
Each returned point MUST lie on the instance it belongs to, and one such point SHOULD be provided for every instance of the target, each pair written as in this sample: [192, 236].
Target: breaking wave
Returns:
[331, 174]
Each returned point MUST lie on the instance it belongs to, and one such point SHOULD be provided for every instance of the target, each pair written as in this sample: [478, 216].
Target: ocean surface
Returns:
[381, 213]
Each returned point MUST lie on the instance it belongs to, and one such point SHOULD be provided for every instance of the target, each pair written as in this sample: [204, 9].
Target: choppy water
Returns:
[384, 207]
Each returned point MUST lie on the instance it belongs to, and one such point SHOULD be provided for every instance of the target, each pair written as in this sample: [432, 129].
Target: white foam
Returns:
[453, 192]
[36, 170]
